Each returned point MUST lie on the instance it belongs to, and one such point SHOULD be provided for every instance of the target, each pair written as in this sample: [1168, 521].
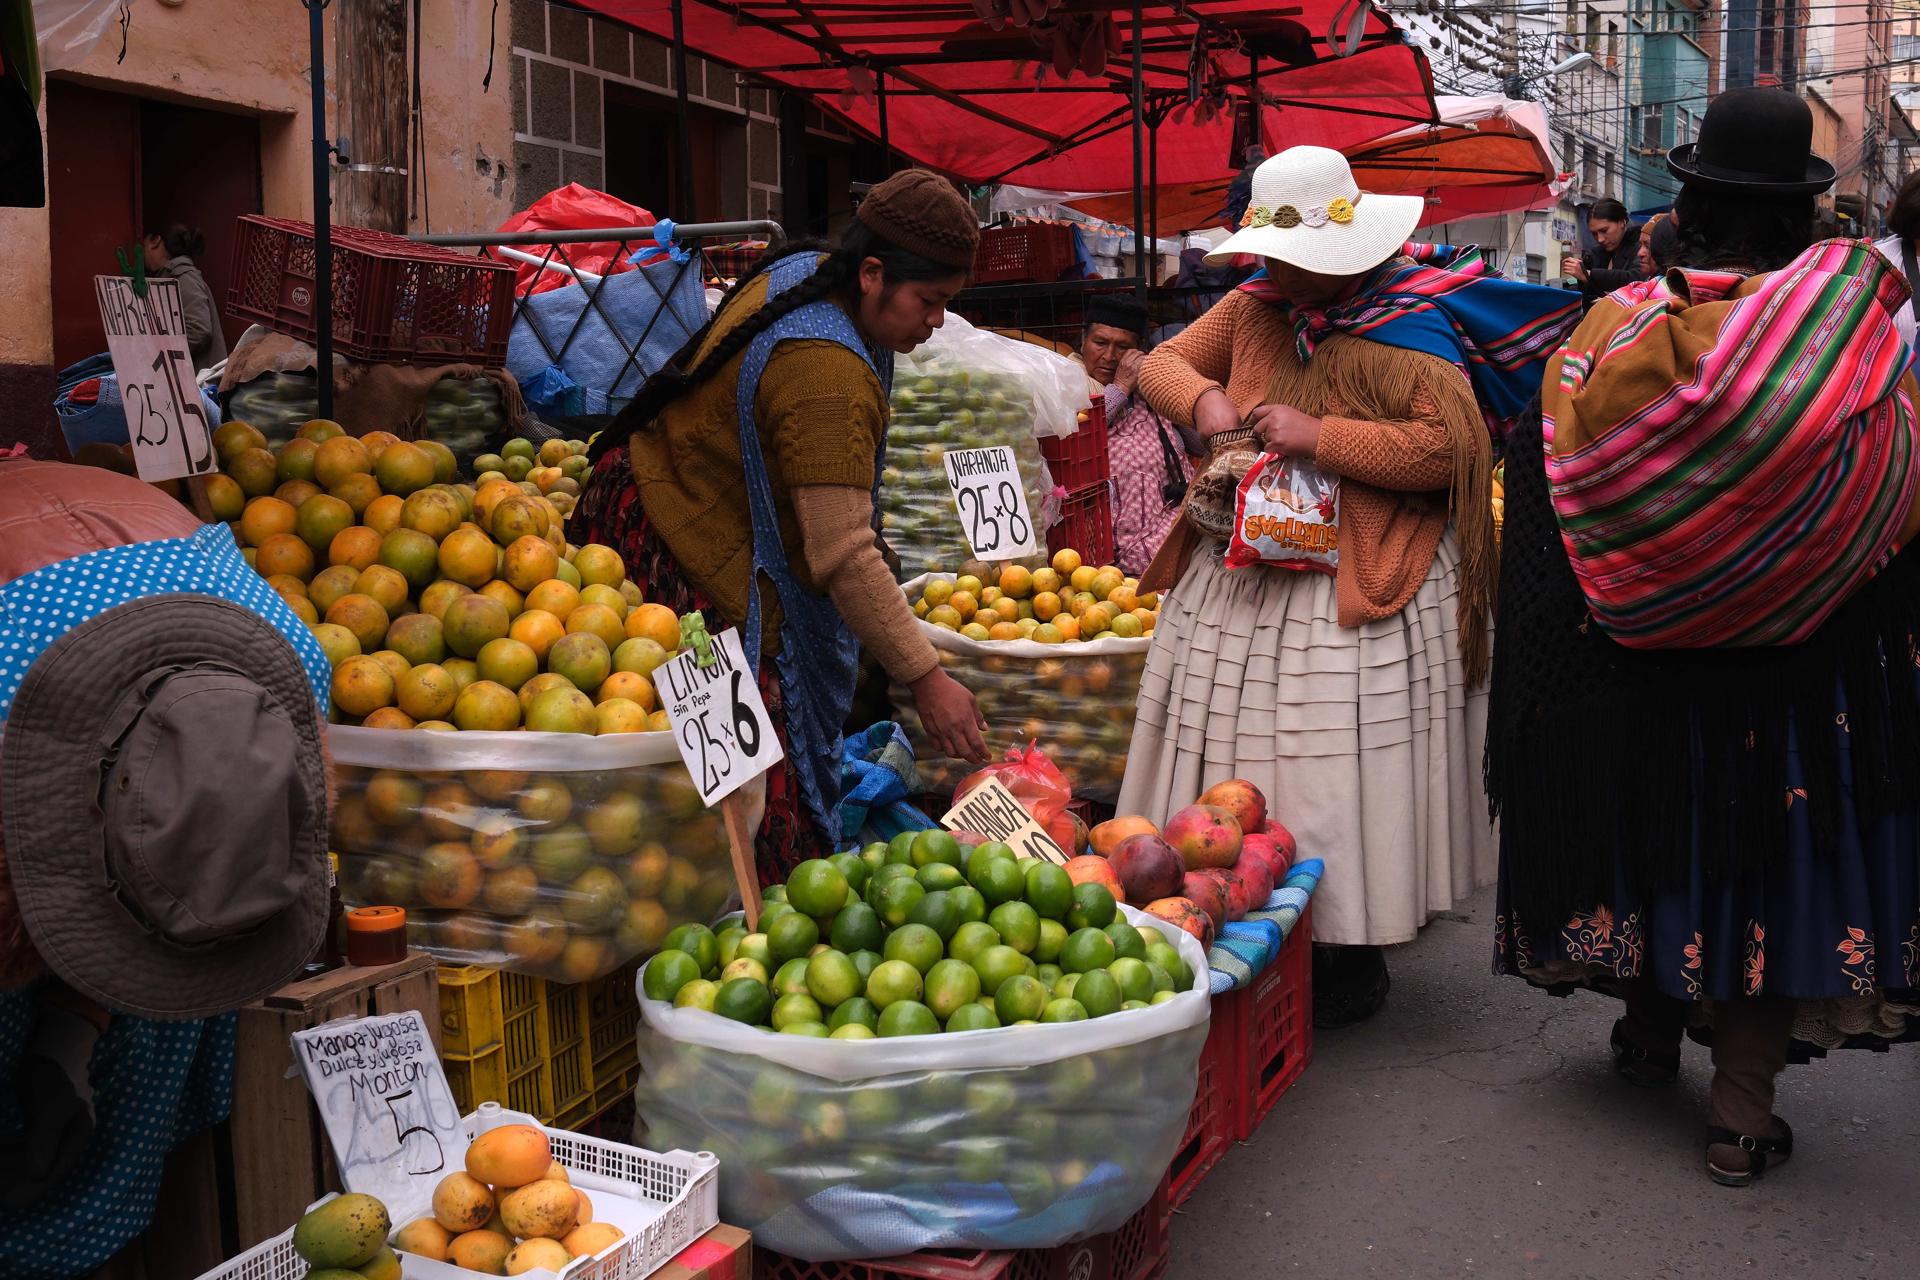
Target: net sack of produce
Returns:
[968, 388]
[1075, 699]
[606, 338]
[552, 854]
[1015, 1137]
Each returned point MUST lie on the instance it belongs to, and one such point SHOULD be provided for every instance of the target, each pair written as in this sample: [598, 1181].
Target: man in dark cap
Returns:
[1151, 458]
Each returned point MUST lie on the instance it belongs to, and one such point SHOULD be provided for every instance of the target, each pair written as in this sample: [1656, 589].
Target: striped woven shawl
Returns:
[1731, 458]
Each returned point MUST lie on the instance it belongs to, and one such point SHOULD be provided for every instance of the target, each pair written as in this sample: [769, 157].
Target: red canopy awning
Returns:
[994, 105]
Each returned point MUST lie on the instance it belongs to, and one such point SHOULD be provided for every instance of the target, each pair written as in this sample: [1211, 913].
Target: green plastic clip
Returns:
[136, 269]
[693, 635]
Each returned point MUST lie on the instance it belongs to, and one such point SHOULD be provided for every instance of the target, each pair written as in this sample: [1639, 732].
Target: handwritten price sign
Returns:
[719, 722]
[992, 502]
[992, 811]
[147, 338]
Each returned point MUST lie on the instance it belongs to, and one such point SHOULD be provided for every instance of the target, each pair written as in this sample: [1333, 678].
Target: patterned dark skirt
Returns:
[610, 513]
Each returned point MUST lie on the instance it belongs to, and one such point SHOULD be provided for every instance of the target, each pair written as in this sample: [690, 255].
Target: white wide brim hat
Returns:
[1307, 211]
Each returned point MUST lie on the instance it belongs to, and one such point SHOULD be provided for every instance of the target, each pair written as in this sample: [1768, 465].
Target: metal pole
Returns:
[886, 136]
[1153, 218]
[322, 210]
[685, 194]
[1139, 196]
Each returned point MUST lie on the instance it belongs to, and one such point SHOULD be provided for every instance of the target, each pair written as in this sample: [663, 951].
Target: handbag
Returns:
[1215, 492]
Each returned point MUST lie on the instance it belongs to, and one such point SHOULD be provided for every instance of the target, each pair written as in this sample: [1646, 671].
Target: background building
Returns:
[1670, 82]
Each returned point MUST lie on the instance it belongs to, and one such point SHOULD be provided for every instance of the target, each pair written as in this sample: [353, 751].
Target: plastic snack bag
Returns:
[1288, 516]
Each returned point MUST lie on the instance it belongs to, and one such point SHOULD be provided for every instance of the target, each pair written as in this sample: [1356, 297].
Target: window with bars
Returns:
[1589, 166]
[1651, 132]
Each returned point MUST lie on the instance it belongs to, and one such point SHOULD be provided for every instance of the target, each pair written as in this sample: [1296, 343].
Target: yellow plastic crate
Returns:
[613, 1014]
[514, 1039]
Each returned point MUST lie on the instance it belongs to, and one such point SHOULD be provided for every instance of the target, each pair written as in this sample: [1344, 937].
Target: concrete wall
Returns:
[563, 59]
[250, 56]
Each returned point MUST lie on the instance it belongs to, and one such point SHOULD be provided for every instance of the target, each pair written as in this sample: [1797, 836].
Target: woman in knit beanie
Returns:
[741, 481]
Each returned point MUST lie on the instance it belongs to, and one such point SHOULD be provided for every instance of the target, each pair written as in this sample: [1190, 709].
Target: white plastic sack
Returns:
[554, 854]
[1012, 1138]
[968, 388]
[68, 29]
[1076, 700]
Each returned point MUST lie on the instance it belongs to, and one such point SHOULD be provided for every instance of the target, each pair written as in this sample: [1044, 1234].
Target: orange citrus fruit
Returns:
[657, 623]
[364, 617]
[1016, 581]
[383, 513]
[284, 553]
[507, 662]
[434, 512]
[560, 599]
[358, 491]
[403, 468]
[356, 546]
[600, 565]
[618, 715]
[264, 517]
[511, 600]
[383, 584]
[485, 705]
[362, 685]
[597, 619]
[468, 556]
[225, 496]
[632, 687]
[255, 471]
[529, 562]
[426, 692]
[339, 458]
[537, 629]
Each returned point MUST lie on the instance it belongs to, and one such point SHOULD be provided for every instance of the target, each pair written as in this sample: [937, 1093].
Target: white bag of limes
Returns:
[1036, 1126]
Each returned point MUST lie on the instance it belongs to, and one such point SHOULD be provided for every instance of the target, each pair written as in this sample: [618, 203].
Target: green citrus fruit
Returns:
[754, 947]
[667, 973]
[967, 900]
[697, 941]
[1019, 997]
[1063, 989]
[875, 856]
[1092, 907]
[970, 939]
[744, 1000]
[832, 979]
[1161, 997]
[896, 899]
[900, 849]
[1065, 1010]
[973, 1017]
[1049, 890]
[1018, 926]
[815, 1029]
[794, 934]
[858, 1010]
[817, 887]
[935, 846]
[951, 984]
[851, 1031]
[790, 1009]
[698, 994]
[1086, 950]
[744, 967]
[917, 944]
[791, 978]
[1135, 979]
[996, 964]
[857, 928]
[1161, 980]
[864, 963]
[1127, 944]
[997, 880]
[940, 875]
[1048, 974]
[982, 854]
[908, 1018]
[893, 981]
[938, 912]
[1167, 956]
[1053, 937]
[854, 869]
[1098, 993]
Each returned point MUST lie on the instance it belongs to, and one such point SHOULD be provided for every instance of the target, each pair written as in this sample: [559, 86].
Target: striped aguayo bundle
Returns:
[1731, 458]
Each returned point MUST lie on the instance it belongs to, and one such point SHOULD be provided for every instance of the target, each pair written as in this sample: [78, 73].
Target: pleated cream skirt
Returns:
[1366, 741]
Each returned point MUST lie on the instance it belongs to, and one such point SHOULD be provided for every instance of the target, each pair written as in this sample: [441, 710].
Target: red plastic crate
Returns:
[1277, 1039]
[1212, 1123]
[1041, 251]
[1136, 1251]
[1085, 525]
[395, 301]
[1081, 459]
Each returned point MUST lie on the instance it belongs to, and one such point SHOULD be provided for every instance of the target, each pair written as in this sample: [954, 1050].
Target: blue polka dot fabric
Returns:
[155, 1085]
[40, 607]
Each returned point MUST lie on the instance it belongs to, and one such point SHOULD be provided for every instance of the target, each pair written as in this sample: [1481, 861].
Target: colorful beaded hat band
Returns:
[1338, 210]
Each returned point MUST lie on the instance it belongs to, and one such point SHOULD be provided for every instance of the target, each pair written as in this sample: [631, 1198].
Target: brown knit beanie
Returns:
[920, 212]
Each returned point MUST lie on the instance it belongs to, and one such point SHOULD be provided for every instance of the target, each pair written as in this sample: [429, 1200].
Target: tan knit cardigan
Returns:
[1401, 428]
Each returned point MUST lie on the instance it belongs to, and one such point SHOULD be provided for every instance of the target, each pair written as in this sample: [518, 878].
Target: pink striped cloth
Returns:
[1730, 463]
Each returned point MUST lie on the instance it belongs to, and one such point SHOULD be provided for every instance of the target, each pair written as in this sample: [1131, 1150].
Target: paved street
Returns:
[1475, 1127]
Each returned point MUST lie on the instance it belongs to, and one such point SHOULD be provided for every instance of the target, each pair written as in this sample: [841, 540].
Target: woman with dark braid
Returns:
[741, 480]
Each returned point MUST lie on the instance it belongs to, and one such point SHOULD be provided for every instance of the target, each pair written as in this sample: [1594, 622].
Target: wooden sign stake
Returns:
[746, 872]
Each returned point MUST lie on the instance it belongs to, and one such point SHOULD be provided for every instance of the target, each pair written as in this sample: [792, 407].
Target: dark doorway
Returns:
[643, 157]
[117, 164]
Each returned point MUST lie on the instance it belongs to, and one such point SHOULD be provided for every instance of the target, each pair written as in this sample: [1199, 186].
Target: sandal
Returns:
[1647, 1068]
[1760, 1152]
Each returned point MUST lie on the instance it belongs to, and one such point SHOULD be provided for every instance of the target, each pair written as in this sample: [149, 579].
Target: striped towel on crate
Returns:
[1246, 947]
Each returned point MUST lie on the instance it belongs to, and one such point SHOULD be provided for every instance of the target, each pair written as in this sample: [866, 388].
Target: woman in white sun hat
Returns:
[1356, 701]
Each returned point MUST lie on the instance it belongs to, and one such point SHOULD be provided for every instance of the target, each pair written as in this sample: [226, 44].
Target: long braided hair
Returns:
[836, 277]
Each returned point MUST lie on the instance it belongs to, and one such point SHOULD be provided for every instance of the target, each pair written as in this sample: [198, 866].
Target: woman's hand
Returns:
[950, 716]
[1284, 430]
[1214, 413]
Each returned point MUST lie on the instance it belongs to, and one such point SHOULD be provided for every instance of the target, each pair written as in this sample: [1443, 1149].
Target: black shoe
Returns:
[1648, 1068]
[1760, 1153]
[1350, 985]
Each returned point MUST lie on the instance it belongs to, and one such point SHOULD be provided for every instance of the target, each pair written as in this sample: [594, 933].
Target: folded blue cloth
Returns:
[1246, 947]
[877, 775]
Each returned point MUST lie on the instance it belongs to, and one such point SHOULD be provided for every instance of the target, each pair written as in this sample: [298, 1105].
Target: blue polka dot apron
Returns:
[155, 1083]
[819, 659]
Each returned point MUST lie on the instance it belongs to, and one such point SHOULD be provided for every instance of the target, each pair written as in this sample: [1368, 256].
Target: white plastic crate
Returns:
[663, 1203]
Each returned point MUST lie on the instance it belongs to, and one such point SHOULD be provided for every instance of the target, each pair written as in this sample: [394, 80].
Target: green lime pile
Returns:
[918, 937]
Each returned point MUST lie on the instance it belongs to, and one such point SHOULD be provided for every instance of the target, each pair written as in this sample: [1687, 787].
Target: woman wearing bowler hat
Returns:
[164, 797]
[1704, 741]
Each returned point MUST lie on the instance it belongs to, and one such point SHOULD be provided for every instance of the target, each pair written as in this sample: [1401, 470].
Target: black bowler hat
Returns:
[1757, 140]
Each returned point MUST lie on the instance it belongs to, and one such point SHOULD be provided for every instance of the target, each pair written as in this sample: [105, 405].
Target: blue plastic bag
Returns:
[569, 347]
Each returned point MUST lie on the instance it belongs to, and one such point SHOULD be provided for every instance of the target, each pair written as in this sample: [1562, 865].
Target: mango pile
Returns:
[443, 605]
[346, 1239]
[512, 1210]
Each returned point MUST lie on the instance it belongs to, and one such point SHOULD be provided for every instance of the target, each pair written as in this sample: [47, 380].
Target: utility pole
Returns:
[371, 48]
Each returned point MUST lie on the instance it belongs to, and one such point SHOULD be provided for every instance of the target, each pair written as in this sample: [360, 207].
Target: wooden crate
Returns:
[281, 1160]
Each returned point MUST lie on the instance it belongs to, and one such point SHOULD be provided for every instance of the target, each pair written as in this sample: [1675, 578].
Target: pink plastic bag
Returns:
[576, 208]
[1037, 783]
[1288, 516]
